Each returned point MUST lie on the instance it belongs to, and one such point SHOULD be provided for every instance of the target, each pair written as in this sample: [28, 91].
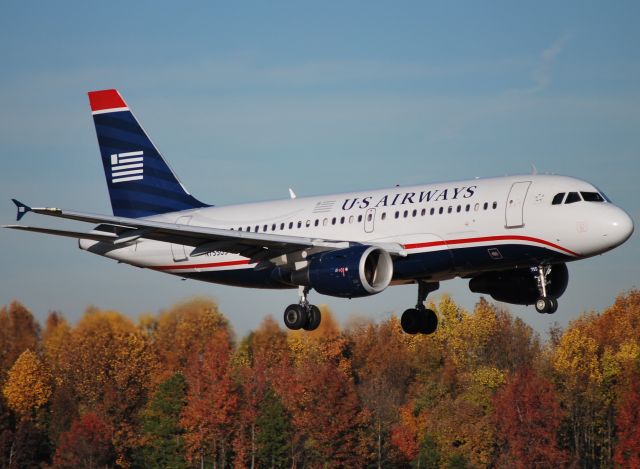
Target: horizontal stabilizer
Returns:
[22, 209]
[65, 233]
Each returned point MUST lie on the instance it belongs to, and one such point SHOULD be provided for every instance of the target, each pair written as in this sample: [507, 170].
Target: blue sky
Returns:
[246, 100]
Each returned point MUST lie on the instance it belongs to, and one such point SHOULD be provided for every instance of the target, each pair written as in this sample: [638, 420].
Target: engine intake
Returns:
[347, 273]
[519, 286]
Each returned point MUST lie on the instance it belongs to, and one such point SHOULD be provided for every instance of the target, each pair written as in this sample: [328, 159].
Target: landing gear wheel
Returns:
[546, 305]
[410, 321]
[418, 320]
[314, 318]
[429, 322]
[295, 317]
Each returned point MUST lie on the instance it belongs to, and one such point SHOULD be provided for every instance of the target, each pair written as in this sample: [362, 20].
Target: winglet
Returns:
[22, 209]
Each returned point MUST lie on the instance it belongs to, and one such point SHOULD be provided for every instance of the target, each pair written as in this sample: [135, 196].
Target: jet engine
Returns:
[348, 273]
[520, 286]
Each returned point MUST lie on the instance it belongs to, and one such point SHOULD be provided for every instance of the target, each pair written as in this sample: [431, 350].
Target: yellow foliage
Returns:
[27, 387]
[576, 358]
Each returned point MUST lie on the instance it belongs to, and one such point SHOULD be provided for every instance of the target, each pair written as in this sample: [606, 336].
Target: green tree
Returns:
[163, 443]
[274, 433]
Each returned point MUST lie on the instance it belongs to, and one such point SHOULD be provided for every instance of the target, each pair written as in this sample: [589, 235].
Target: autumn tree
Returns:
[211, 402]
[182, 330]
[162, 436]
[527, 415]
[86, 445]
[108, 364]
[28, 384]
[381, 362]
[19, 331]
[627, 451]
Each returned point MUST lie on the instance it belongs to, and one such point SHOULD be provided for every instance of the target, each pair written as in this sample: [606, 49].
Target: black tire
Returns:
[314, 318]
[543, 305]
[295, 317]
[553, 305]
[410, 321]
[428, 322]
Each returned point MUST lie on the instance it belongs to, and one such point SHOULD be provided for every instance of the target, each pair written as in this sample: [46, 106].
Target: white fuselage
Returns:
[454, 228]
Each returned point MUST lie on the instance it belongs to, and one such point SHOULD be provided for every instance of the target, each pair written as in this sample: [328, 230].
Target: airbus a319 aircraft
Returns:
[510, 236]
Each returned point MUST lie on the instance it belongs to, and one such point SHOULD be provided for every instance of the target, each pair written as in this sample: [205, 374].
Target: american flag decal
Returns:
[126, 166]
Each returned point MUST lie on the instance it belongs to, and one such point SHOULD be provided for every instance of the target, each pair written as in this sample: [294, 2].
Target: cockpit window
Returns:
[557, 199]
[591, 197]
[572, 198]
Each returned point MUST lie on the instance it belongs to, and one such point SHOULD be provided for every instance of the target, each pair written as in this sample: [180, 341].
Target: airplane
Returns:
[510, 236]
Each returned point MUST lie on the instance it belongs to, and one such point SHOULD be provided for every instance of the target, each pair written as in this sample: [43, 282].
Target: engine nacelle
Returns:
[519, 286]
[348, 273]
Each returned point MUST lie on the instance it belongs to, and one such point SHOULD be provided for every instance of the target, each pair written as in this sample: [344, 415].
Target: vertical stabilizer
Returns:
[139, 180]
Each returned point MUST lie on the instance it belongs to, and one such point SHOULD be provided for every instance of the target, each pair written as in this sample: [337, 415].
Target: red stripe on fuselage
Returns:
[486, 239]
[406, 246]
[201, 266]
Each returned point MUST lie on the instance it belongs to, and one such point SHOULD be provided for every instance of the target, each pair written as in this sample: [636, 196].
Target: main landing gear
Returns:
[420, 319]
[545, 304]
[302, 315]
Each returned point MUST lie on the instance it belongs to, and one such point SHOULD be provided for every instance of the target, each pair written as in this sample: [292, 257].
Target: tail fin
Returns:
[140, 181]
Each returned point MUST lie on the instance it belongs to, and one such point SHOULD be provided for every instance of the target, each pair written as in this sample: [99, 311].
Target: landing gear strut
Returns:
[545, 304]
[302, 315]
[420, 319]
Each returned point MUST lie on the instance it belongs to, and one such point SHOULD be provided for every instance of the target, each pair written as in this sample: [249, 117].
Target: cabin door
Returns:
[514, 211]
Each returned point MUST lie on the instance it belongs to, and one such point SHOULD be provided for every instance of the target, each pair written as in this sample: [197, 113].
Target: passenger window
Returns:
[273, 227]
[432, 211]
[591, 197]
[257, 228]
[290, 225]
[423, 212]
[414, 213]
[333, 221]
[467, 208]
[458, 208]
[397, 214]
[342, 220]
[281, 226]
[325, 222]
[264, 228]
[557, 199]
[572, 197]
[248, 228]
[495, 205]
[299, 224]
[485, 206]
[239, 229]
[450, 209]
[351, 219]
[406, 213]
[476, 207]
[384, 215]
[441, 210]
[317, 222]
[359, 218]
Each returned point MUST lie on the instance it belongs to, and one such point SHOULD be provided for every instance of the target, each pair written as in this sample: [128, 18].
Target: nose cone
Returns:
[618, 227]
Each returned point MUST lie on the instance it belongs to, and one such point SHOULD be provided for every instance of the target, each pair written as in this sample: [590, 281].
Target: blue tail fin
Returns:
[140, 181]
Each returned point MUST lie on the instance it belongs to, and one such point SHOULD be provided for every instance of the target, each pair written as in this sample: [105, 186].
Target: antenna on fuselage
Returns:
[292, 194]
[534, 170]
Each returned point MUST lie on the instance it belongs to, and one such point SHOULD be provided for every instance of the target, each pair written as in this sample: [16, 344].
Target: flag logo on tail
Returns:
[127, 166]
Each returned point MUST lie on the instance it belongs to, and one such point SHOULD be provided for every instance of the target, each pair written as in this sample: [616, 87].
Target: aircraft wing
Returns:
[121, 230]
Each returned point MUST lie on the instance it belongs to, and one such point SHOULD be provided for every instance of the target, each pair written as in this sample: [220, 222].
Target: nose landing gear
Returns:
[302, 315]
[545, 304]
[420, 319]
